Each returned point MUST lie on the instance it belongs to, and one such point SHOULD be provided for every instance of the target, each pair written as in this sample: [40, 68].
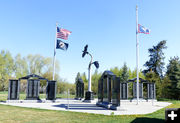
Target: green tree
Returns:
[6, 69]
[77, 77]
[156, 61]
[151, 76]
[173, 73]
[85, 80]
[134, 74]
[95, 78]
[35, 64]
[125, 73]
[116, 71]
[165, 88]
[21, 67]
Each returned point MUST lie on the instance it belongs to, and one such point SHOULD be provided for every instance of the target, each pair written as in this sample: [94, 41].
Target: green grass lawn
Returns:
[30, 115]
[4, 95]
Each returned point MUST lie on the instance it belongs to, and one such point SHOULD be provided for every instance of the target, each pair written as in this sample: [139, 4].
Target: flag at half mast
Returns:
[63, 33]
[142, 29]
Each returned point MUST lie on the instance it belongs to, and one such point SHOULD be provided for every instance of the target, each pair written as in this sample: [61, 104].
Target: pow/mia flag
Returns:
[61, 45]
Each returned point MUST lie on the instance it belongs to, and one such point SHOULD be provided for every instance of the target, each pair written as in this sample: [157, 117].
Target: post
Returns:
[68, 99]
[89, 74]
[54, 57]
[89, 93]
[137, 55]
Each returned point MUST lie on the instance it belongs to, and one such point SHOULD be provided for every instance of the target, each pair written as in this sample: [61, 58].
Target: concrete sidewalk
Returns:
[127, 108]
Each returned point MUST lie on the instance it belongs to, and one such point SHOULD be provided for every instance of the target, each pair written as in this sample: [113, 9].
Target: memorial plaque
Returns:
[124, 90]
[32, 89]
[140, 90]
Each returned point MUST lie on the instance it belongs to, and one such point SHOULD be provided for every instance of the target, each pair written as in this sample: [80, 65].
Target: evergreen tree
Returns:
[116, 71]
[77, 77]
[95, 78]
[173, 73]
[125, 73]
[85, 80]
[151, 76]
[156, 61]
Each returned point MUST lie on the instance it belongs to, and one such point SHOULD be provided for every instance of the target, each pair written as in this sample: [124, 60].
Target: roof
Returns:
[108, 73]
[34, 76]
[134, 79]
[80, 80]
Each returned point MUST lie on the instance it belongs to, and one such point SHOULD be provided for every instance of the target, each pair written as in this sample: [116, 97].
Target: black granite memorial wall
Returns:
[32, 92]
[140, 90]
[13, 91]
[109, 91]
[51, 90]
[116, 91]
[79, 89]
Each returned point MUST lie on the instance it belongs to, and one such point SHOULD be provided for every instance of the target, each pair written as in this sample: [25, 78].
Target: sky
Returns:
[107, 26]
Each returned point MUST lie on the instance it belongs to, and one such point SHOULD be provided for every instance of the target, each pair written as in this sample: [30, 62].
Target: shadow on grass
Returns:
[147, 120]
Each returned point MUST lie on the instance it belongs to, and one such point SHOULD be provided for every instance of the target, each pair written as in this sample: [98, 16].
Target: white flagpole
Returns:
[54, 58]
[137, 56]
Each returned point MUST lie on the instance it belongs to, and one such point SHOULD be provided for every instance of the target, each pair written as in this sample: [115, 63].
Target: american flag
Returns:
[63, 33]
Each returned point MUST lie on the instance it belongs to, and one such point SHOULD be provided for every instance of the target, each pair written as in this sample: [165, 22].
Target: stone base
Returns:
[89, 95]
[105, 105]
[12, 101]
[78, 98]
[50, 98]
[32, 98]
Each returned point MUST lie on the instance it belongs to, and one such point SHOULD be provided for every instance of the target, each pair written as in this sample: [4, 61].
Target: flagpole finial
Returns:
[136, 7]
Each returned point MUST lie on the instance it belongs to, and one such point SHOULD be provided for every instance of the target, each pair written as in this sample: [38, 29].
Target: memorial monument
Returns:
[51, 90]
[89, 94]
[79, 89]
[109, 91]
[13, 90]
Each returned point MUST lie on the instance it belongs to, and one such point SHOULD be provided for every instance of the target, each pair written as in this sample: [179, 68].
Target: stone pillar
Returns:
[82, 90]
[109, 92]
[100, 90]
[124, 90]
[79, 89]
[13, 91]
[154, 91]
[105, 97]
[127, 90]
[116, 91]
[140, 90]
[51, 90]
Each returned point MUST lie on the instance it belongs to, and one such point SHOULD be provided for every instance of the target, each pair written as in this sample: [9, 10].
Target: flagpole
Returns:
[137, 56]
[54, 57]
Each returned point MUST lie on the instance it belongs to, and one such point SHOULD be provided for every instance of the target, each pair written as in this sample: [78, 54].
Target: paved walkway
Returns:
[127, 108]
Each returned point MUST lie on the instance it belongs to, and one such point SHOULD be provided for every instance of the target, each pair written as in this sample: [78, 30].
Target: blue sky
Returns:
[107, 26]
